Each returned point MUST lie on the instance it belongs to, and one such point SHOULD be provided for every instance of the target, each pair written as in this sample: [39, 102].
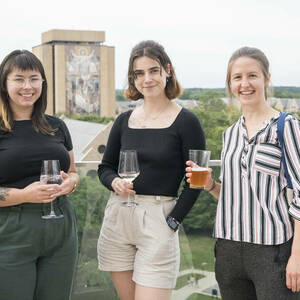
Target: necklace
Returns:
[146, 121]
[152, 118]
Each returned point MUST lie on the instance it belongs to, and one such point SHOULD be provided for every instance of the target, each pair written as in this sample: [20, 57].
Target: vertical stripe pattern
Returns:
[253, 206]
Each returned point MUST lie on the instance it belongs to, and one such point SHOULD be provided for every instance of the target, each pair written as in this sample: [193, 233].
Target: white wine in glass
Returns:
[50, 174]
[128, 170]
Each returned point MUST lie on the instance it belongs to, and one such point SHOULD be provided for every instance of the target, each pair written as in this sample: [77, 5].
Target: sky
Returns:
[199, 36]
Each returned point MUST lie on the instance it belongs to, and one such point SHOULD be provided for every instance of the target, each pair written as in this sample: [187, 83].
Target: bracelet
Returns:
[213, 186]
[74, 187]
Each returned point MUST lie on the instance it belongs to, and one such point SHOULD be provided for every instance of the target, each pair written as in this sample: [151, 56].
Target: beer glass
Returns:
[200, 158]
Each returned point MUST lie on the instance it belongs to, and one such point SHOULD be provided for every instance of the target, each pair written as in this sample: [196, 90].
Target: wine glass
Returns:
[50, 174]
[128, 170]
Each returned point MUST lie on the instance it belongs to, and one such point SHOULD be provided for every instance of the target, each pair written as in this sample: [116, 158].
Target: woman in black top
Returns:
[136, 244]
[37, 256]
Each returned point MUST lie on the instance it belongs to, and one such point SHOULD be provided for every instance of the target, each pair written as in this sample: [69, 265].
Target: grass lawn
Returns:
[200, 297]
[202, 249]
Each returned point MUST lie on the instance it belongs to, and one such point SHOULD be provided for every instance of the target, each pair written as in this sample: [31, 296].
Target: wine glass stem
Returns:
[52, 209]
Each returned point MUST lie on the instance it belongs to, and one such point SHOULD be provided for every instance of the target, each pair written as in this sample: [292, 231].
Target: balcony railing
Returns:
[196, 279]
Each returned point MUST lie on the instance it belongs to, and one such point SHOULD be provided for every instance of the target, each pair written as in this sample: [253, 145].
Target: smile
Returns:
[149, 87]
[247, 93]
[26, 95]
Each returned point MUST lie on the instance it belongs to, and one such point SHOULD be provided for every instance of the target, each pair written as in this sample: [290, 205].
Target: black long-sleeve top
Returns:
[162, 154]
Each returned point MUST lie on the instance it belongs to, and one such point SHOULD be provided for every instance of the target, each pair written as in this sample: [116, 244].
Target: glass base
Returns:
[196, 187]
[129, 204]
[52, 216]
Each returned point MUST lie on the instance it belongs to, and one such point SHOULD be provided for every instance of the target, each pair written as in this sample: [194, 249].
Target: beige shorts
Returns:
[139, 239]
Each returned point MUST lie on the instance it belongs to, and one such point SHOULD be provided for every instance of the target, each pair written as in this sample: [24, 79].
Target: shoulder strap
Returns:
[280, 132]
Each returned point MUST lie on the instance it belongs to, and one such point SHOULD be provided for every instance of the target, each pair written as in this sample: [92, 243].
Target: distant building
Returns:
[123, 106]
[79, 71]
[89, 139]
[285, 104]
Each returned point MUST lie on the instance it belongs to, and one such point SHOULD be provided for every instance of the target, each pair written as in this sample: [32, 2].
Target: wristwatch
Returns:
[173, 223]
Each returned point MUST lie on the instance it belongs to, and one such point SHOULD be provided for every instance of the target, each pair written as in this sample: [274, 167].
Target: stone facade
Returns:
[79, 71]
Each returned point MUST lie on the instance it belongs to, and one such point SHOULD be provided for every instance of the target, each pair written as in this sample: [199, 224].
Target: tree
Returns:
[213, 115]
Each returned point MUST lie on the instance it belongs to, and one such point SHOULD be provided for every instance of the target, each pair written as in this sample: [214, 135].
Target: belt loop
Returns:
[157, 198]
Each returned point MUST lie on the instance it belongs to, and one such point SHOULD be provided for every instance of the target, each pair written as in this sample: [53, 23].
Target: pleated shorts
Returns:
[139, 239]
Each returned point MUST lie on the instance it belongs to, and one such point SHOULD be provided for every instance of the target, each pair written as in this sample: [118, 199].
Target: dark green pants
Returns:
[37, 256]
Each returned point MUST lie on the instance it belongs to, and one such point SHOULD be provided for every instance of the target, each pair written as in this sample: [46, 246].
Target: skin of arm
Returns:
[293, 266]
[291, 129]
[33, 193]
[41, 193]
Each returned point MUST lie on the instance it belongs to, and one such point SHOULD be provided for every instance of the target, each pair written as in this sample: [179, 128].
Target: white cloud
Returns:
[198, 35]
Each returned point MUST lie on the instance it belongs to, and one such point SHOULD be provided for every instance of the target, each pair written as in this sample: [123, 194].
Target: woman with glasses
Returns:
[37, 256]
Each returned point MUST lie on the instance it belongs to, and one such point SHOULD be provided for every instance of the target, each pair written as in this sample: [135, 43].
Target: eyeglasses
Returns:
[34, 82]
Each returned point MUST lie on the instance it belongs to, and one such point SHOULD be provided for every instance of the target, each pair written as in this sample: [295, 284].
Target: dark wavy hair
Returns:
[156, 52]
[22, 60]
[253, 53]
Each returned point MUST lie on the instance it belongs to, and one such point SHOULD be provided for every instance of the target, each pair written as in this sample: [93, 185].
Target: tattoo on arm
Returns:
[3, 193]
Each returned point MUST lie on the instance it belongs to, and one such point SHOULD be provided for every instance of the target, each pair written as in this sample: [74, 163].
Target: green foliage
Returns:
[195, 93]
[120, 96]
[286, 92]
[202, 249]
[89, 201]
[214, 117]
[200, 297]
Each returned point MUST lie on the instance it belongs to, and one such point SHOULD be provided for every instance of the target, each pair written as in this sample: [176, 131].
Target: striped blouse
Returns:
[253, 206]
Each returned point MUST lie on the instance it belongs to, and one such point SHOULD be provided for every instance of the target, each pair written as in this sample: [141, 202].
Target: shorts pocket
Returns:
[111, 212]
[268, 159]
[165, 209]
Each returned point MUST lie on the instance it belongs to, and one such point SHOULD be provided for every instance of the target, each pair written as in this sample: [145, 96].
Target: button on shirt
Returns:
[253, 206]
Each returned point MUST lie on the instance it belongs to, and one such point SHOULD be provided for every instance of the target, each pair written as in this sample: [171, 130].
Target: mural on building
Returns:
[82, 79]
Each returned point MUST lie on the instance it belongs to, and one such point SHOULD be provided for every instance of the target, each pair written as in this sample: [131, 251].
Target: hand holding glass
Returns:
[50, 174]
[200, 172]
[128, 170]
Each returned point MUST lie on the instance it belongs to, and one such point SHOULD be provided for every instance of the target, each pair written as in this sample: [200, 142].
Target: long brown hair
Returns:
[156, 52]
[22, 60]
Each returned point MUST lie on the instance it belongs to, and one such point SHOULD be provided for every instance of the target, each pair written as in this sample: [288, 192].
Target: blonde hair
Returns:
[253, 53]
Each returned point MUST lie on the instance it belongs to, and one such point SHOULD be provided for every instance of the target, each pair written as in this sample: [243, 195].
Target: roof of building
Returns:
[82, 134]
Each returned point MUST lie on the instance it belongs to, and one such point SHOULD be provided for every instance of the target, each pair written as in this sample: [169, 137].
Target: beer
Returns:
[199, 177]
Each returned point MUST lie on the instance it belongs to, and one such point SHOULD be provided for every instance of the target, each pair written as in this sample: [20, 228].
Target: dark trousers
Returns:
[246, 271]
[37, 256]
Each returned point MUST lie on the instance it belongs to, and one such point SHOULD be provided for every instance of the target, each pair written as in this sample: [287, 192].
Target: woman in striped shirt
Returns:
[257, 231]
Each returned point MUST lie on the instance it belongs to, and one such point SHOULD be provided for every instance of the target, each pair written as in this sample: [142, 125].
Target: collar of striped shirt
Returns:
[253, 206]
